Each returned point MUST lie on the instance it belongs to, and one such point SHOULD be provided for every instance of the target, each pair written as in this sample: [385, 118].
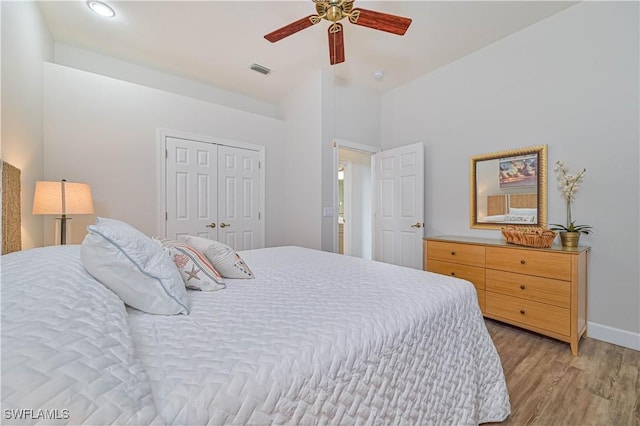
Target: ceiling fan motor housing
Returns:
[334, 10]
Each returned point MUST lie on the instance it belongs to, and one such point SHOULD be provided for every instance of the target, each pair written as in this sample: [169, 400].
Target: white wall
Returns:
[102, 131]
[357, 116]
[302, 218]
[93, 62]
[26, 43]
[570, 81]
[327, 179]
[316, 114]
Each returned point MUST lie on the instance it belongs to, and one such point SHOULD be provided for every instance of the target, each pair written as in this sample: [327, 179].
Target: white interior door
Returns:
[213, 191]
[399, 205]
[239, 193]
[192, 191]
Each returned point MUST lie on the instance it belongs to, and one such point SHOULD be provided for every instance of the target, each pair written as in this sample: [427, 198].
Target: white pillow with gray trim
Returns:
[135, 268]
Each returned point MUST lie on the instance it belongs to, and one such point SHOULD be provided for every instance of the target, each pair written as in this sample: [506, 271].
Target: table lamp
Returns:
[63, 198]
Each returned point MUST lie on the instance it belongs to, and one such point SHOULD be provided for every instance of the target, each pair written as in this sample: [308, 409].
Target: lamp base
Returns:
[63, 230]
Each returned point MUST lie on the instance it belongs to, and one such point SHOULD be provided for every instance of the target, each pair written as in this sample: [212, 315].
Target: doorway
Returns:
[380, 206]
[354, 206]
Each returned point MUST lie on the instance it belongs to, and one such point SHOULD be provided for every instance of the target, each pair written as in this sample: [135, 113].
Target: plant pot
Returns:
[570, 239]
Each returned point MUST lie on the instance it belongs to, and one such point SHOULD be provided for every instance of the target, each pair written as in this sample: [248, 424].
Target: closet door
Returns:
[191, 188]
[213, 191]
[239, 198]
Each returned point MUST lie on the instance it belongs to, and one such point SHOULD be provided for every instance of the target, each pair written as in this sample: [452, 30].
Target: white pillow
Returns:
[222, 257]
[522, 212]
[519, 218]
[134, 267]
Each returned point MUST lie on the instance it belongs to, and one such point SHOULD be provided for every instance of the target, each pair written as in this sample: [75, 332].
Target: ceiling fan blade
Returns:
[336, 44]
[292, 28]
[380, 21]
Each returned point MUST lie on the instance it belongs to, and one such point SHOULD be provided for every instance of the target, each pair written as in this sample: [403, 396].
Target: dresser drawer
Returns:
[468, 254]
[465, 272]
[530, 262]
[470, 273]
[544, 290]
[528, 313]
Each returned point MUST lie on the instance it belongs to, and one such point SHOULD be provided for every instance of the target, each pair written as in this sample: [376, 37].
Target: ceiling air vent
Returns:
[259, 68]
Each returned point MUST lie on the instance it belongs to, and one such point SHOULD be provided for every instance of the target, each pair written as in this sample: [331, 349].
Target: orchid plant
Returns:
[569, 184]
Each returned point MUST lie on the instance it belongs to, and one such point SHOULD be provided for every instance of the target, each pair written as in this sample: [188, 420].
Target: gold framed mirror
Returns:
[509, 188]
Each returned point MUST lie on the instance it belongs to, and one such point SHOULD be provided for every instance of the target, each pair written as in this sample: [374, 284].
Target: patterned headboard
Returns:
[496, 204]
[499, 204]
[529, 201]
[11, 222]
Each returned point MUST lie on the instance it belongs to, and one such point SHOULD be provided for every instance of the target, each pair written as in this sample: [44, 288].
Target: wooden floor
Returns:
[549, 386]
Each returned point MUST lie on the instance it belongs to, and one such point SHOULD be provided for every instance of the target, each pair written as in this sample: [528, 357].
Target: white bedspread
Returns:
[321, 338]
[67, 354]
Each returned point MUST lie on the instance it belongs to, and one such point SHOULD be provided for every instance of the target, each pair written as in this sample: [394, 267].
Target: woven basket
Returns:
[530, 237]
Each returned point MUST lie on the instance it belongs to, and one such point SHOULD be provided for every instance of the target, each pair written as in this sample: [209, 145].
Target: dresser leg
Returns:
[574, 348]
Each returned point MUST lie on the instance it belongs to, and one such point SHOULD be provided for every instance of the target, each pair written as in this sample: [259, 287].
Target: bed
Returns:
[314, 338]
[512, 208]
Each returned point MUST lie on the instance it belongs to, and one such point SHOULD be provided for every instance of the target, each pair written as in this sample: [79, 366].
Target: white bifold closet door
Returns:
[213, 191]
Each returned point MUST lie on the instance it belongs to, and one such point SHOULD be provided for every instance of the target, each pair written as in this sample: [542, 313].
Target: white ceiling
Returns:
[215, 42]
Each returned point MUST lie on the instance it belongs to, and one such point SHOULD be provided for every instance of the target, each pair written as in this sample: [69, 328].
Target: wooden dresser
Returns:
[542, 290]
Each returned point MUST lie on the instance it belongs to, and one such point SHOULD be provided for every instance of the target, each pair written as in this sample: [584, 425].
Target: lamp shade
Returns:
[62, 197]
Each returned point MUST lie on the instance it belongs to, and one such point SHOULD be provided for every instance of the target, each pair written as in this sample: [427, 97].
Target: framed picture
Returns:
[519, 171]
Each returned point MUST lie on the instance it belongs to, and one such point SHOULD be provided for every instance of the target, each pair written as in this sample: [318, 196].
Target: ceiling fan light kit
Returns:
[336, 10]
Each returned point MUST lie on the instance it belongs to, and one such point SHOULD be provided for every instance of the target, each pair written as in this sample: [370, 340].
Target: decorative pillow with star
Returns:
[195, 269]
[222, 257]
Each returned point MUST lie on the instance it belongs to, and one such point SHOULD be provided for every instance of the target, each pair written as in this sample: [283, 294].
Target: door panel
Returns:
[399, 205]
[407, 249]
[239, 192]
[387, 246]
[191, 196]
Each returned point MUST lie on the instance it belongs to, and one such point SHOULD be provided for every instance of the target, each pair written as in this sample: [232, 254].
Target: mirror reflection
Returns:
[509, 188]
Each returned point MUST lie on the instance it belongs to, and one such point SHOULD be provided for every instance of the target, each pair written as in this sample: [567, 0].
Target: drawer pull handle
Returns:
[453, 253]
[522, 261]
[522, 287]
[453, 274]
[522, 311]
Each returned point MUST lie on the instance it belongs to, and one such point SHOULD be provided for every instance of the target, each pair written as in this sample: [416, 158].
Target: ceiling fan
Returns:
[336, 10]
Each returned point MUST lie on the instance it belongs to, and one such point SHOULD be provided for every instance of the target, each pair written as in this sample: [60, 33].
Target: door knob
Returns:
[211, 225]
[224, 225]
[417, 225]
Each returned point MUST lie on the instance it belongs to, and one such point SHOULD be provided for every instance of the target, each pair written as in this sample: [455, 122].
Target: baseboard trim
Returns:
[614, 335]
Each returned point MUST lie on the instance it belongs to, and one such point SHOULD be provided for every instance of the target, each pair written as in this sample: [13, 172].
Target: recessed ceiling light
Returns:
[101, 9]
[378, 75]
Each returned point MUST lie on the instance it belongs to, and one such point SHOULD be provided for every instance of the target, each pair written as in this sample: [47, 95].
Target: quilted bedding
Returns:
[67, 353]
[314, 338]
[321, 338]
